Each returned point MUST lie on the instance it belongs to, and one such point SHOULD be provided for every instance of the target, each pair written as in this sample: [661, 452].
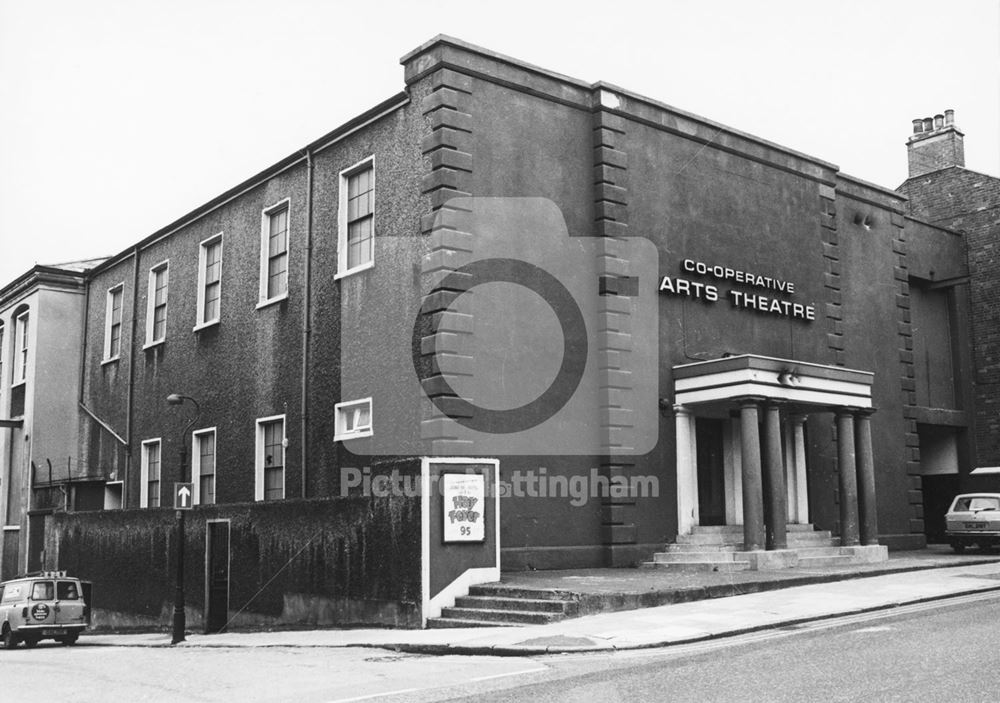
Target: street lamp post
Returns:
[179, 621]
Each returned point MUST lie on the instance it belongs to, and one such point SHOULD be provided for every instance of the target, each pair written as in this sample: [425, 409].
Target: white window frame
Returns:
[108, 322]
[265, 221]
[119, 487]
[342, 269]
[151, 304]
[196, 437]
[200, 321]
[20, 344]
[259, 456]
[340, 431]
[144, 472]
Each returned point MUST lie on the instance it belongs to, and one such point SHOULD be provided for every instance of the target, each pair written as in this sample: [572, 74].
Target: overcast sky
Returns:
[119, 116]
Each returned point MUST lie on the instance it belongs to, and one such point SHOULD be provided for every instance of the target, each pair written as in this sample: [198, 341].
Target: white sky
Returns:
[119, 116]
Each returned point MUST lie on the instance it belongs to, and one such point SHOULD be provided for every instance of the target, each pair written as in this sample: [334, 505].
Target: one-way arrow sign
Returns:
[182, 496]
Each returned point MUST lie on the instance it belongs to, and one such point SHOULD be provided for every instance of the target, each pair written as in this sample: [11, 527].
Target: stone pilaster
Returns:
[614, 326]
[831, 274]
[907, 381]
[446, 340]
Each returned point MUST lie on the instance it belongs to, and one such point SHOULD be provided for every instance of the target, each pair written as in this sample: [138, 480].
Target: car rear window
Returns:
[977, 503]
[42, 590]
[67, 590]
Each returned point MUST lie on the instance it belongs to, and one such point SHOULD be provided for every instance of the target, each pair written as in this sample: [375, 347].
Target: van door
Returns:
[69, 605]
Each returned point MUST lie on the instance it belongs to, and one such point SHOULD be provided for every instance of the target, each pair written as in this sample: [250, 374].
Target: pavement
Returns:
[699, 607]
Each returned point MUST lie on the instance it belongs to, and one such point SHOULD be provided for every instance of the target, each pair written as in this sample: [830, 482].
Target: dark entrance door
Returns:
[217, 557]
[36, 541]
[939, 491]
[711, 472]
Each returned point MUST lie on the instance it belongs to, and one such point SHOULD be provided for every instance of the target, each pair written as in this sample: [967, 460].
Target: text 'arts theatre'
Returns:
[504, 320]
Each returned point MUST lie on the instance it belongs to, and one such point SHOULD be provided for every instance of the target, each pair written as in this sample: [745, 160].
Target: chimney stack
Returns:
[936, 143]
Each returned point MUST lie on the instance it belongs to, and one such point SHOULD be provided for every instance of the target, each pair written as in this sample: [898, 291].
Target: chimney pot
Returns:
[928, 124]
[938, 121]
[918, 126]
[949, 117]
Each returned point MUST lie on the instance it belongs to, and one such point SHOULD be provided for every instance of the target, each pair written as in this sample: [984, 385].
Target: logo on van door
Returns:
[40, 611]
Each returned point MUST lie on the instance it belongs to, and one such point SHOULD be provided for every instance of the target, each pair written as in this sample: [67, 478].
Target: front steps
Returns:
[494, 605]
[720, 548]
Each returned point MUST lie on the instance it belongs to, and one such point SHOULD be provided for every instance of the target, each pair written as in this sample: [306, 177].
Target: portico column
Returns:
[753, 500]
[774, 480]
[801, 481]
[866, 477]
[687, 478]
[848, 479]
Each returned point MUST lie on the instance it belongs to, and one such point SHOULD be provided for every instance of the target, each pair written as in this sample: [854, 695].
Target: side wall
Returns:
[351, 561]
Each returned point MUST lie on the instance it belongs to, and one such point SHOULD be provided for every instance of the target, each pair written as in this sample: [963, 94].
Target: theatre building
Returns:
[505, 320]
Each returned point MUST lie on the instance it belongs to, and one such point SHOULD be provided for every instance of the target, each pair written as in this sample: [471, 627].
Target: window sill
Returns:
[352, 435]
[150, 345]
[356, 269]
[112, 360]
[205, 325]
[271, 301]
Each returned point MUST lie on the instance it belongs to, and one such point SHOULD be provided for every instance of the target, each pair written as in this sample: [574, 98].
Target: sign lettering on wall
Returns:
[464, 497]
[765, 298]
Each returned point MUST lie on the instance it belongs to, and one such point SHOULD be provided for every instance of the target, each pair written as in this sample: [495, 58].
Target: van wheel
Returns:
[69, 640]
[30, 642]
[9, 638]
[958, 547]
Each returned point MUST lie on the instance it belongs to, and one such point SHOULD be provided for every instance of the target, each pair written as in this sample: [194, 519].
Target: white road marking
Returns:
[511, 673]
[375, 695]
[401, 691]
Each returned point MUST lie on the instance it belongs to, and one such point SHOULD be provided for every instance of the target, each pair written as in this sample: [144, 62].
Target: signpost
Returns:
[182, 496]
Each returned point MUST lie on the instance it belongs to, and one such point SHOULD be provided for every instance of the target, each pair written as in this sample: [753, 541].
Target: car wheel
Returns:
[69, 640]
[9, 638]
[958, 547]
[30, 642]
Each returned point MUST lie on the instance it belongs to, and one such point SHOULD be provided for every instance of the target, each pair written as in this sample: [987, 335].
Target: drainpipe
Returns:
[131, 376]
[306, 330]
[83, 347]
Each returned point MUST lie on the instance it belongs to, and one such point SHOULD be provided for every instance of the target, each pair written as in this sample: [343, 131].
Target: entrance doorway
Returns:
[217, 576]
[711, 471]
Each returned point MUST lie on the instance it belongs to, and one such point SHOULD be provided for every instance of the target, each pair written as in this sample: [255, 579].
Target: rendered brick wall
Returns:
[969, 202]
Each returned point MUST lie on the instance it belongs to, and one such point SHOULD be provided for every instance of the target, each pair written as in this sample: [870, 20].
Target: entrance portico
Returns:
[763, 404]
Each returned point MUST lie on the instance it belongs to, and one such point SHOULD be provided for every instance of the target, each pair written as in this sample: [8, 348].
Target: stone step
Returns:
[697, 566]
[819, 538]
[738, 529]
[832, 550]
[806, 562]
[529, 604]
[442, 623]
[498, 590]
[680, 557]
[493, 616]
[686, 548]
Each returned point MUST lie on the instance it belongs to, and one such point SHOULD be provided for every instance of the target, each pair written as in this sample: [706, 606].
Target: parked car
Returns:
[974, 518]
[49, 605]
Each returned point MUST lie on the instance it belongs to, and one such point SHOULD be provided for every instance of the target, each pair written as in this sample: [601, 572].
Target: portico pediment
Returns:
[749, 375]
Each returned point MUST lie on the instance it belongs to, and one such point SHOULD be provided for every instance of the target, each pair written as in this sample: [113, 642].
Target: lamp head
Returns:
[175, 399]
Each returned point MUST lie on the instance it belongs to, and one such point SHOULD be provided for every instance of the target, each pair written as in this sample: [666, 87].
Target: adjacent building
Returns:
[41, 335]
[633, 322]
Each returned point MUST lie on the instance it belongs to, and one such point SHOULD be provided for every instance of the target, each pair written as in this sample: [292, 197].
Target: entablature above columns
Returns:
[765, 379]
